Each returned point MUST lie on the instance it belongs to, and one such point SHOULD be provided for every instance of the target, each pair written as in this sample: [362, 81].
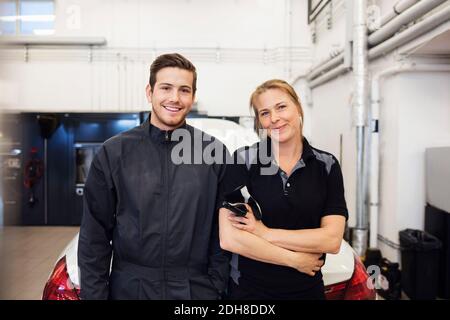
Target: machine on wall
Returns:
[34, 169]
[64, 145]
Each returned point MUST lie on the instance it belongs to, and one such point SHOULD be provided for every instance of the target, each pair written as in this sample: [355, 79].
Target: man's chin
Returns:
[173, 123]
[169, 121]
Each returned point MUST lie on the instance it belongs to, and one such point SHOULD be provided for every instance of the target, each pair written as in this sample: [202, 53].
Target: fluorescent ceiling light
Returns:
[29, 18]
[44, 32]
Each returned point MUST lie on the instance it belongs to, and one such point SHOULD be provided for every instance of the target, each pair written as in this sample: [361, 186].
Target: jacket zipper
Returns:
[166, 217]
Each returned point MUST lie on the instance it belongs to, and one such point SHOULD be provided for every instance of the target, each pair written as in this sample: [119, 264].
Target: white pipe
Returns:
[51, 40]
[328, 76]
[417, 43]
[338, 56]
[325, 66]
[360, 106]
[406, 17]
[375, 151]
[397, 9]
[413, 32]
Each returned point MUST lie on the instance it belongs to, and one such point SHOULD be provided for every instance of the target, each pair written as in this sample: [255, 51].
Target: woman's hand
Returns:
[309, 263]
[249, 223]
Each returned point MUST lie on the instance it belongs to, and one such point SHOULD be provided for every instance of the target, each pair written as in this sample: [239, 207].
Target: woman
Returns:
[301, 195]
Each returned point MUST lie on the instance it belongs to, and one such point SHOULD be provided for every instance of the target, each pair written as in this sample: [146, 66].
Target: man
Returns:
[155, 219]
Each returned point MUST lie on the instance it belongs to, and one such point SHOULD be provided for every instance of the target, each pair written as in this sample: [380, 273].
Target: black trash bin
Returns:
[420, 264]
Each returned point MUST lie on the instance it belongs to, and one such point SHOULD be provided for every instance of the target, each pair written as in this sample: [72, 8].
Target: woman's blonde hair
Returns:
[275, 84]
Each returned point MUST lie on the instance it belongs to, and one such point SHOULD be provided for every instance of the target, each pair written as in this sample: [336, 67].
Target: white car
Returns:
[344, 275]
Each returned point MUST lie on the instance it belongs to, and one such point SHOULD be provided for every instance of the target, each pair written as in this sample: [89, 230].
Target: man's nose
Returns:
[174, 97]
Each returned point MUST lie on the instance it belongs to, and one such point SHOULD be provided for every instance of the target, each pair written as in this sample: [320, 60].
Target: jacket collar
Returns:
[156, 134]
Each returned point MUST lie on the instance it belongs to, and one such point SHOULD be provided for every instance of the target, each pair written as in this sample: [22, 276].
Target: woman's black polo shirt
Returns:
[313, 190]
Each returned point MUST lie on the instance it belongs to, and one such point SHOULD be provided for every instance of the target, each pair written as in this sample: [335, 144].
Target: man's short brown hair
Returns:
[175, 60]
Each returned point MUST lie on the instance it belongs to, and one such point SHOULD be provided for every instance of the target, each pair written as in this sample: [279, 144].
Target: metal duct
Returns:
[54, 41]
[422, 27]
[361, 94]
[411, 33]
[324, 67]
[406, 17]
[328, 76]
[396, 10]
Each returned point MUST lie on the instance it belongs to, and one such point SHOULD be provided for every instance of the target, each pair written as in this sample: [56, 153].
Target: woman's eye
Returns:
[264, 114]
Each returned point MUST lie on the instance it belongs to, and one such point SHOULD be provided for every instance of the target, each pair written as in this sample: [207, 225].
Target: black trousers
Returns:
[243, 291]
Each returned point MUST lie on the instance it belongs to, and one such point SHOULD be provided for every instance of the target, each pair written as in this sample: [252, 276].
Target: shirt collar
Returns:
[307, 152]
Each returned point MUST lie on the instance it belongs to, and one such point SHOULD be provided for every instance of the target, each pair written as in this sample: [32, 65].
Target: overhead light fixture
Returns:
[44, 32]
[29, 18]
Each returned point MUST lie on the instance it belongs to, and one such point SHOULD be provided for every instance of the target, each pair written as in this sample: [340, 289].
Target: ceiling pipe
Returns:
[417, 43]
[331, 62]
[419, 29]
[411, 33]
[329, 76]
[409, 15]
[52, 41]
[325, 66]
[343, 60]
[393, 12]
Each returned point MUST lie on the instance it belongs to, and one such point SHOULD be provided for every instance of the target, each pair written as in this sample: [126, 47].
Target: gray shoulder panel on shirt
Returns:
[325, 158]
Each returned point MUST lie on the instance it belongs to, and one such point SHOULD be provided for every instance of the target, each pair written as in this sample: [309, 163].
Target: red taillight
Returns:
[358, 288]
[59, 286]
[336, 291]
[354, 289]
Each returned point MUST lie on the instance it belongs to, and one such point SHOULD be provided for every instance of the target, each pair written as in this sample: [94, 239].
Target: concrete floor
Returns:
[27, 257]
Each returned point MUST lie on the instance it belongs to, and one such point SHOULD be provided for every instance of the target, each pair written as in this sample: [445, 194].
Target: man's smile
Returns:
[172, 108]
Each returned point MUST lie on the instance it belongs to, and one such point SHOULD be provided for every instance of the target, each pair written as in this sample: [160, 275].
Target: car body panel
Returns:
[228, 132]
[338, 267]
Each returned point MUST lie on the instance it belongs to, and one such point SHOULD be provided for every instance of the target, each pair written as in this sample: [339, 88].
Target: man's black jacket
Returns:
[155, 220]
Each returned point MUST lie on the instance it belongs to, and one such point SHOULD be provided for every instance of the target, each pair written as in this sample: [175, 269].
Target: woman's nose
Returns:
[274, 117]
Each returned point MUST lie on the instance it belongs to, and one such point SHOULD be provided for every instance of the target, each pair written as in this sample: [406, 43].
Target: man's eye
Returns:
[185, 90]
[165, 88]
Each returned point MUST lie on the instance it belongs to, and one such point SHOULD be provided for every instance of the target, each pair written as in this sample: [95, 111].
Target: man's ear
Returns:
[148, 93]
[193, 102]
